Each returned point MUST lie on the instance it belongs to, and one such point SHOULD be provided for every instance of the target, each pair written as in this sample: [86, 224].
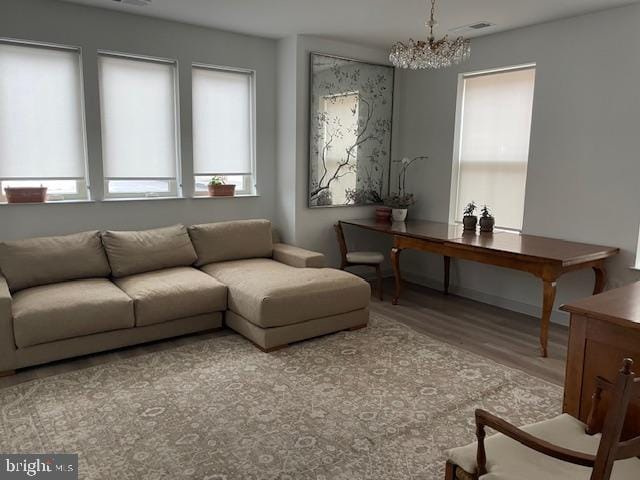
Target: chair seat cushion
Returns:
[509, 460]
[367, 258]
[272, 294]
[71, 309]
[173, 293]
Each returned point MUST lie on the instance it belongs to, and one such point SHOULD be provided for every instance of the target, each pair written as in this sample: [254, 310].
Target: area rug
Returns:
[379, 403]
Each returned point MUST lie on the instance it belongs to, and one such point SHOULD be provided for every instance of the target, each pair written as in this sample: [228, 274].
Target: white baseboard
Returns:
[557, 316]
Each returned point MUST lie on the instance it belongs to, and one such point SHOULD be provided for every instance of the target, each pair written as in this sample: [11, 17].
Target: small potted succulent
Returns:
[469, 220]
[486, 220]
[217, 188]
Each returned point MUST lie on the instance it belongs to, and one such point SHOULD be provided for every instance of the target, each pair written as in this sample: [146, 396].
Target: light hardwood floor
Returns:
[507, 337]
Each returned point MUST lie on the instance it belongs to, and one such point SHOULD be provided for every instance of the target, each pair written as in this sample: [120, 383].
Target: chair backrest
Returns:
[341, 242]
[625, 388]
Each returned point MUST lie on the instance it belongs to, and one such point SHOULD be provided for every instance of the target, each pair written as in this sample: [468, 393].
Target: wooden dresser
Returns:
[605, 329]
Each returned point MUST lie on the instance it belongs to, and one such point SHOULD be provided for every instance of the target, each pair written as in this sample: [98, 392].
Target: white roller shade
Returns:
[138, 108]
[494, 143]
[222, 122]
[41, 121]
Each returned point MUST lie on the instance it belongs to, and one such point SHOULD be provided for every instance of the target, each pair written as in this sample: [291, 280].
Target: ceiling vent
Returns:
[136, 3]
[473, 27]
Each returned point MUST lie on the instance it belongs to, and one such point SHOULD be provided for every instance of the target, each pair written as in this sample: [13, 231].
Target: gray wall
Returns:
[584, 164]
[93, 29]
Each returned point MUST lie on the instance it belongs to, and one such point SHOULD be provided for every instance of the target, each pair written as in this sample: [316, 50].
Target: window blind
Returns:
[41, 117]
[494, 143]
[222, 122]
[139, 123]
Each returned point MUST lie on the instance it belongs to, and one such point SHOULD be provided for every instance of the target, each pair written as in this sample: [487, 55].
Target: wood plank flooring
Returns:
[507, 337]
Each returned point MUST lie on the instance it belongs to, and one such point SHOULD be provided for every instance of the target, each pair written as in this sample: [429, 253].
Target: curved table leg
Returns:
[549, 296]
[395, 262]
[601, 279]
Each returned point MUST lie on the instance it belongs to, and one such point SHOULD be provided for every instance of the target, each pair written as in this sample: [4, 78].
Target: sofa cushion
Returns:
[40, 261]
[69, 309]
[146, 250]
[272, 294]
[223, 241]
[173, 293]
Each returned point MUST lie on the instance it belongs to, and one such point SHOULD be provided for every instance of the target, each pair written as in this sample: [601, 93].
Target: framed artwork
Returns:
[351, 109]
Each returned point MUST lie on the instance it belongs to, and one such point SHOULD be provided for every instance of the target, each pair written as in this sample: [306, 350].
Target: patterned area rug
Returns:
[379, 403]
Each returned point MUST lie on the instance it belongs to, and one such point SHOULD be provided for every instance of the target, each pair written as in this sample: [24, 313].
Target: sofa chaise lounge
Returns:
[76, 294]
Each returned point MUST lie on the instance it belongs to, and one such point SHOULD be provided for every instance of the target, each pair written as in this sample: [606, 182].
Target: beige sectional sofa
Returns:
[71, 295]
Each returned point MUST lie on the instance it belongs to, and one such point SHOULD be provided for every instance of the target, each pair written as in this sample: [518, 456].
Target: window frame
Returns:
[457, 141]
[250, 184]
[83, 184]
[175, 184]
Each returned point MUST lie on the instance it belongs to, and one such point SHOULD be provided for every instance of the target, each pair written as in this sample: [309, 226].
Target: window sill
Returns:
[195, 197]
[138, 199]
[51, 202]
[635, 268]
[207, 197]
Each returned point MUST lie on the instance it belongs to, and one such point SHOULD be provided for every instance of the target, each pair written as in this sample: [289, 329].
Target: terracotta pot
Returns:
[470, 222]
[26, 194]
[222, 190]
[383, 214]
[487, 223]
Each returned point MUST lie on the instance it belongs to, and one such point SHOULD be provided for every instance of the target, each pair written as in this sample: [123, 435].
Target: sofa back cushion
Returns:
[223, 241]
[147, 250]
[41, 261]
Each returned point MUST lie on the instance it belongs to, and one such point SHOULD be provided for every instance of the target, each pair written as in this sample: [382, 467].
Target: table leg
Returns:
[549, 297]
[395, 261]
[601, 279]
[447, 268]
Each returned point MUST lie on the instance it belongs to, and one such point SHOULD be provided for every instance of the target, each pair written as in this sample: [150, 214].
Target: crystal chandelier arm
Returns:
[432, 21]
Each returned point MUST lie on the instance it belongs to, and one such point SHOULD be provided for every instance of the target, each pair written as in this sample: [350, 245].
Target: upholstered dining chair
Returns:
[352, 259]
[562, 448]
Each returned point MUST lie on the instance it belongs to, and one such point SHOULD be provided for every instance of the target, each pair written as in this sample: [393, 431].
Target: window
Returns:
[138, 105]
[494, 126]
[42, 135]
[223, 127]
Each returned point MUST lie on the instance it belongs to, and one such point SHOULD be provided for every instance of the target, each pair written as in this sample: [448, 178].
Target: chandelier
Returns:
[432, 53]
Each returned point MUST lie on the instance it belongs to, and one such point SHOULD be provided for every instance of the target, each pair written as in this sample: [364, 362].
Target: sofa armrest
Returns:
[7, 343]
[297, 257]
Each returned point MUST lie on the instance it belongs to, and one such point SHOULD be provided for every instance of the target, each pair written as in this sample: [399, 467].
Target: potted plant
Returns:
[26, 194]
[469, 220]
[400, 202]
[399, 205]
[486, 220]
[217, 188]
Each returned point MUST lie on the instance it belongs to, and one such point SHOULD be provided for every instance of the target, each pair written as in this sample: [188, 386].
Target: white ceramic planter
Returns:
[399, 214]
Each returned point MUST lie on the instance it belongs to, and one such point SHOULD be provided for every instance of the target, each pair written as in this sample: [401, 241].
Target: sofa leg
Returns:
[357, 327]
[7, 373]
[272, 349]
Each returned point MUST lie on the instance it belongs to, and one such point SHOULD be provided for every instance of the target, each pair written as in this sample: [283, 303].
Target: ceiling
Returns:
[369, 22]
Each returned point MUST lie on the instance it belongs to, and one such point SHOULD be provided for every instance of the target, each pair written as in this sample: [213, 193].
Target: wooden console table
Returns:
[546, 258]
[605, 329]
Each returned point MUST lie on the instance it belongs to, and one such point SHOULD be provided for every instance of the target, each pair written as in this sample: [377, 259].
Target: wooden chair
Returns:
[560, 448]
[352, 259]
